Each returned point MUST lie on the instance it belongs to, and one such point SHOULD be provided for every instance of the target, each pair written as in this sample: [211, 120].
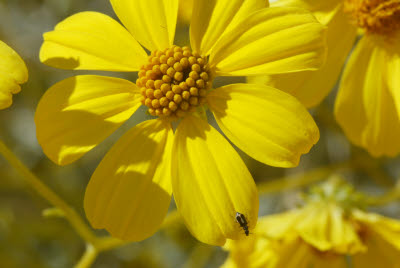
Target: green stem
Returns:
[88, 258]
[302, 179]
[70, 214]
[108, 243]
[95, 245]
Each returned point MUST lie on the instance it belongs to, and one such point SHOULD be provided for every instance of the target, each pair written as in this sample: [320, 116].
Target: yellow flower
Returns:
[328, 230]
[368, 103]
[13, 72]
[130, 191]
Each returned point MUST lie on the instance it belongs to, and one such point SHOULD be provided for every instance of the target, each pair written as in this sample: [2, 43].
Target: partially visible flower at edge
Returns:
[130, 191]
[331, 229]
[13, 72]
[367, 106]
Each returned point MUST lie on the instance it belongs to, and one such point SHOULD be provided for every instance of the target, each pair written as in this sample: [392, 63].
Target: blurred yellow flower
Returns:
[368, 103]
[13, 72]
[326, 232]
[130, 191]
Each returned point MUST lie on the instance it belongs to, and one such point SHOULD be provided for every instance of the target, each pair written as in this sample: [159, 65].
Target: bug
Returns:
[241, 219]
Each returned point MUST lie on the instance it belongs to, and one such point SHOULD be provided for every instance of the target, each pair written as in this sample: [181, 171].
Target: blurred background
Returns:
[28, 239]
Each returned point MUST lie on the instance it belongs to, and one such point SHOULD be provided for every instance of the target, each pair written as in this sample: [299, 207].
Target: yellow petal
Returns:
[386, 228]
[253, 252]
[311, 87]
[7, 87]
[271, 40]
[382, 237]
[268, 124]
[13, 72]
[379, 254]
[91, 41]
[78, 113]
[388, 52]
[365, 108]
[185, 12]
[151, 22]
[322, 10]
[329, 260]
[314, 228]
[130, 191]
[211, 183]
[294, 253]
[326, 228]
[212, 19]
[278, 226]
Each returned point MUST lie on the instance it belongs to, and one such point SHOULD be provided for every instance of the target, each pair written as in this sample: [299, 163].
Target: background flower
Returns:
[329, 229]
[13, 73]
[366, 104]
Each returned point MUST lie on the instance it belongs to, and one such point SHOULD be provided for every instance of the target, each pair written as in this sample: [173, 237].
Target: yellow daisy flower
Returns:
[130, 191]
[13, 72]
[326, 232]
[368, 104]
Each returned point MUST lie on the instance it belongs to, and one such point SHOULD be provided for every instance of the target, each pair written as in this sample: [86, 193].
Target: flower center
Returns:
[174, 82]
[375, 16]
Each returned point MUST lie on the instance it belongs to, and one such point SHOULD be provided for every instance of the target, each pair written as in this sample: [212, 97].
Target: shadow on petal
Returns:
[62, 63]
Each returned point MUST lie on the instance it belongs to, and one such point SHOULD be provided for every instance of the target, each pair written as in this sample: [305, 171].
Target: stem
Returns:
[95, 244]
[88, 258]
[76, 221]
[386, 198]
[108, 243]
[302, 179]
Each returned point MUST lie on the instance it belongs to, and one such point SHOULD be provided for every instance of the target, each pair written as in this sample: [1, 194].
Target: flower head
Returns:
[13, 72]
[130, 191]
[375, 16]
[330, 228]
[367, 105]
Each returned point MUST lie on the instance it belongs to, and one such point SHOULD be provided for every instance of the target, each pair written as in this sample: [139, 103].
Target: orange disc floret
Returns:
[174, 81]
[375, 16]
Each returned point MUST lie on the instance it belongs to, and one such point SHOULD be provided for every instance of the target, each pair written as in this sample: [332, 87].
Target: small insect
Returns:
[241, 219]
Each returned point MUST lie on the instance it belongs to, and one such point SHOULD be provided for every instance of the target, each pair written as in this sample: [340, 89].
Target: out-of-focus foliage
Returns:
[27, 239]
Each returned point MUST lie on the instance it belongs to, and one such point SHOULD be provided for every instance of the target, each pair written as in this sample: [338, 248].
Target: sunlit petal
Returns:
[268, 124]
[130, 191]
[365, 107]
[271, 40]
[211, 19]
[211, 183]
[322, 10]
[151, 22]
[91, 41]
[311, 87]
[78, 113]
